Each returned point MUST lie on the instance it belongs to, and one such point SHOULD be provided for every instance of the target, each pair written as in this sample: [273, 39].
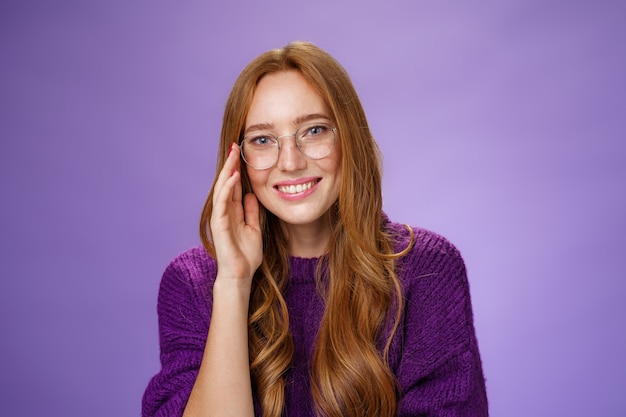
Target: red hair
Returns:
[350, 376]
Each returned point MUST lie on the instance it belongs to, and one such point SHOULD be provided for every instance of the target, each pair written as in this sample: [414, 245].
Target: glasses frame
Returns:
[294, 135]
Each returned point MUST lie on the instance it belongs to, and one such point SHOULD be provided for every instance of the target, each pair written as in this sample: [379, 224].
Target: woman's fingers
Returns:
[235, 225]
[223, 176]
[251, 211]
[231, 164]
[236, 195]
[228, 185]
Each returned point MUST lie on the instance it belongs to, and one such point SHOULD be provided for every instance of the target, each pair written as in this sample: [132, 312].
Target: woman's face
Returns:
[298, 190]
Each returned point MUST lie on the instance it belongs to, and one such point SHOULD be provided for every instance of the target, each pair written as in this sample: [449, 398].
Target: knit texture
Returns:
[434, 355]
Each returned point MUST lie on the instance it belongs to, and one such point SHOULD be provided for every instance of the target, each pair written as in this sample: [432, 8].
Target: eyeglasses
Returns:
[260, 149]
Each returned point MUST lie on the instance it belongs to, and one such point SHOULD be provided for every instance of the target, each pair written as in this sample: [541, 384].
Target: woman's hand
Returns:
[235, 228]
[223, 386]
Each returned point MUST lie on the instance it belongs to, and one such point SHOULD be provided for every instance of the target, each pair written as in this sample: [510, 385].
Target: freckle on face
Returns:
[279, 101]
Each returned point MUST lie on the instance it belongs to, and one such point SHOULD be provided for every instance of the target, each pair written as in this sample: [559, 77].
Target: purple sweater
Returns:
[434, 355]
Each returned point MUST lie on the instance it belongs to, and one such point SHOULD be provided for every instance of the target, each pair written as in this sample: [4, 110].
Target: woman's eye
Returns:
[315, 130]
[261, 140]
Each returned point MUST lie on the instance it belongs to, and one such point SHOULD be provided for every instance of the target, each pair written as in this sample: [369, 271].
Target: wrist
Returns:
[229, 285]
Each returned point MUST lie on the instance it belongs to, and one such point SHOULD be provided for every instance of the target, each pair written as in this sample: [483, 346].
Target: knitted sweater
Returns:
[434, 354]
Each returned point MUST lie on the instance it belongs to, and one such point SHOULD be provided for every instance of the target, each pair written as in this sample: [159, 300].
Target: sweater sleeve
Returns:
[440, 371]
[183, 311]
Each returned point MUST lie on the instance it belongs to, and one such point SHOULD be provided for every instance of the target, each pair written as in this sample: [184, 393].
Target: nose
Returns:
[289, 157]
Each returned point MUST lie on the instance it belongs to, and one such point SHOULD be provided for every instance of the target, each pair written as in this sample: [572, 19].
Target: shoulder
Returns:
[189, 273]
[430, 253]
[438, 310]
[195, 265]
[433, 276]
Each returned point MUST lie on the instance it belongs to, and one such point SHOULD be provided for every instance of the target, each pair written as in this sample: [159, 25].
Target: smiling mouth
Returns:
[295, 189]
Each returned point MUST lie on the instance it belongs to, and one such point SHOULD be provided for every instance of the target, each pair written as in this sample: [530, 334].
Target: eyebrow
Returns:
[298, 120]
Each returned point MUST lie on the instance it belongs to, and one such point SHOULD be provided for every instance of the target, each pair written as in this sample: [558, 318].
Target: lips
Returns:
[296, 188]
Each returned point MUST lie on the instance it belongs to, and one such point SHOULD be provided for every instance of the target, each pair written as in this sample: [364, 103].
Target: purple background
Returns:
[502, 126]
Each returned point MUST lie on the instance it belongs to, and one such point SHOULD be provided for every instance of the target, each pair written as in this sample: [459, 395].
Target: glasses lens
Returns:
[316, 141]
[260, 151]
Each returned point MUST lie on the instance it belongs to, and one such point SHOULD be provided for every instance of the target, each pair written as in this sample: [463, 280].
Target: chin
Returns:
[296, 218]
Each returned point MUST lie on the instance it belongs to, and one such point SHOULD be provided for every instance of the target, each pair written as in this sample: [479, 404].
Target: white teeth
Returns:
[294, 189]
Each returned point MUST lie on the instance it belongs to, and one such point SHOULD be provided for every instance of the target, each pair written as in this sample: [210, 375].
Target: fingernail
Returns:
[231, 148]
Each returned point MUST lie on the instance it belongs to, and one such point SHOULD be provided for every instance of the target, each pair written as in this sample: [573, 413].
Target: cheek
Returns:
[338, 174]
[335, 166]
[337, 181]
[258, 179]
[337, 159]
[335, 169]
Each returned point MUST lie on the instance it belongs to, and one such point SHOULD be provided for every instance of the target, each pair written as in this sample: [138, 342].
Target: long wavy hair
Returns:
[350, 373]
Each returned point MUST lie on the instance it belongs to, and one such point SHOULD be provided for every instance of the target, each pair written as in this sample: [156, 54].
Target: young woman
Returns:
[305, 299]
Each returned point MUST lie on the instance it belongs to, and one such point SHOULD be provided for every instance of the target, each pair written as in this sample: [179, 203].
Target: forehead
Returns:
[283, 98]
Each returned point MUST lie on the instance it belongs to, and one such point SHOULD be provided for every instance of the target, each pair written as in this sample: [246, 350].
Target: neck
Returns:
[308, 240]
